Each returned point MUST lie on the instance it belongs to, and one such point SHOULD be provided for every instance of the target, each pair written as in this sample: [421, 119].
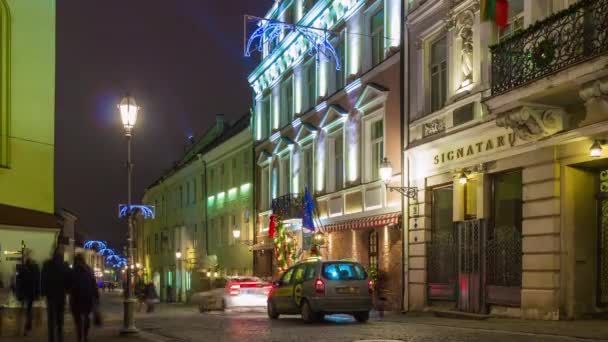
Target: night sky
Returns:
[182, 60]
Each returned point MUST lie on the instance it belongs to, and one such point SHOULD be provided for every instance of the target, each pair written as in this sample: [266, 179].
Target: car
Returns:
[234, 292]
[318, 288]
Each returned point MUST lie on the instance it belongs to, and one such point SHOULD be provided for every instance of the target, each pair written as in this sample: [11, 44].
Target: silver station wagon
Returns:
[317, 288]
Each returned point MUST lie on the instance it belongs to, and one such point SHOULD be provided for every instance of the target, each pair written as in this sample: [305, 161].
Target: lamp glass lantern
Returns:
[595, 150]
[128, 112]
[236, 233]
[386, 171]
[178, 254]
[462, 178]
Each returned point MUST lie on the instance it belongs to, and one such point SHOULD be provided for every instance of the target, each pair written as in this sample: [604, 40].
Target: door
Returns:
[602, 242]
[471, 238]
[441, 262]
[282, 294]
[504, 241]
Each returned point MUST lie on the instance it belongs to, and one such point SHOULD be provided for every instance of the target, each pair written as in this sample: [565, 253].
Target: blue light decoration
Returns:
[320, 39]
[147, 211]
[95, 244]
[106, 252]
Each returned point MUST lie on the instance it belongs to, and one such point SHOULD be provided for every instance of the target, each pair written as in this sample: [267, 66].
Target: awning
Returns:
[365, 222]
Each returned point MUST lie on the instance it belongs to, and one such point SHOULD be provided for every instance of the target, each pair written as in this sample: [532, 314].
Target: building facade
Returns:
[504, 146]
[27, 121]
[197, 208]
[326, 125]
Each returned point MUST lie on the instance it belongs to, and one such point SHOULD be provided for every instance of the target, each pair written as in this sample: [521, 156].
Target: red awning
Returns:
[365, 222]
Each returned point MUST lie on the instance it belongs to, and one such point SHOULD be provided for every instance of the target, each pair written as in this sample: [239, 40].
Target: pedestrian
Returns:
[84, 296]
[55, 280]
[28, 289]
[150, 297]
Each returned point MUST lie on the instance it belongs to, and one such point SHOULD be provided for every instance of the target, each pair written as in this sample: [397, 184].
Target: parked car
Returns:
[314, 289]
[233, 292]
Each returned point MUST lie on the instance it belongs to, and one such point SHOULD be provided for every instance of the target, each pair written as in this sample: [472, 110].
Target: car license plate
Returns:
[347, 290]
[248, 291]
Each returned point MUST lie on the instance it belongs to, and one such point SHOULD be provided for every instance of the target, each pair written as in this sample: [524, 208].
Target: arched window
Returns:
[5, 34]
[373, 250]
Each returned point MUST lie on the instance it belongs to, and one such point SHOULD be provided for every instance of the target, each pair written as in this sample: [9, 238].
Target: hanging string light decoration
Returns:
[95, 244]
[147, 211]
[318, 39]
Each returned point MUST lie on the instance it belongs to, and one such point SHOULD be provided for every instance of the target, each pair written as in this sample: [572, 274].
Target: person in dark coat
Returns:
[84, 296]
[55, 280]
[28, 289]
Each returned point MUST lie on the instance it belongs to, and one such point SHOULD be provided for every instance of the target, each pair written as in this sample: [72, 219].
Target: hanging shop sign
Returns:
[475, 148]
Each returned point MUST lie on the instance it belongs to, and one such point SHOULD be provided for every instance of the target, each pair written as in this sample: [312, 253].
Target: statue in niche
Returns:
[465, 33]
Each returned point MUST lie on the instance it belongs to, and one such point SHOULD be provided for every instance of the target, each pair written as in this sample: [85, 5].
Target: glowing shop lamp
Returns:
[236, 233]
[595, 150]
[138, 265]
[128, 112]
[462, 178]
[178, 254]
[386, 171]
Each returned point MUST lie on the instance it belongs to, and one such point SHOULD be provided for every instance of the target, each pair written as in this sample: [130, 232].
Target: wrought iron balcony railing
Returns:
[287, 206]
[566, 38]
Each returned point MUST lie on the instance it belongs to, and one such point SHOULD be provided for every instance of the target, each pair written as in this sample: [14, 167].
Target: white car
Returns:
[238, 292]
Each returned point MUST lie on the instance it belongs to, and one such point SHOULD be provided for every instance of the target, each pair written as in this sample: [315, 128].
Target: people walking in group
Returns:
[55, 280]
[84, 296]
[150, 296]
[28, 289]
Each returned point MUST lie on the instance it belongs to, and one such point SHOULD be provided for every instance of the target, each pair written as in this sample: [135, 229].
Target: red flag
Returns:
[272, 226]
[502, 13]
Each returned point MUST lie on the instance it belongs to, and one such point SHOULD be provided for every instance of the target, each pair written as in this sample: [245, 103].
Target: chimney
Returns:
[219, 122]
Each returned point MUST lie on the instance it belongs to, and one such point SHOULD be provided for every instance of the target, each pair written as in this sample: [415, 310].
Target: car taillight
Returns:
[234, 290]
[370, 286]
[267, 289]
[319, 286]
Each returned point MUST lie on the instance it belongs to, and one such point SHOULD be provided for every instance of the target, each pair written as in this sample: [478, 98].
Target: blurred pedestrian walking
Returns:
[28, 289]
[84, 296]
[150, 297]
[55, 280]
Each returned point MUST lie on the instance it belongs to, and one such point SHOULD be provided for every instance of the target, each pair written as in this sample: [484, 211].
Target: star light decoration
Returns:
[147, 211]
[319, 39]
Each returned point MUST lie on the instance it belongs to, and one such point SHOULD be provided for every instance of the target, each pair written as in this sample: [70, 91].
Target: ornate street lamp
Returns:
[128, 113]
[386, 174]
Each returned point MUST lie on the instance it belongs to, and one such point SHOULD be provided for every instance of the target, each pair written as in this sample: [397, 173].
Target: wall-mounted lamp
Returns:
[462, 178]
[595, 150]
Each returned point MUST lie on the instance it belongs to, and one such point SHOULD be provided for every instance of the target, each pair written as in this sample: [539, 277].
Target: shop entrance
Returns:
[471, 250]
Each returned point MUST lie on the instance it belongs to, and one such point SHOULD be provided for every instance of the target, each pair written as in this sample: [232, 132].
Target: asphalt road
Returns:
[179, 323]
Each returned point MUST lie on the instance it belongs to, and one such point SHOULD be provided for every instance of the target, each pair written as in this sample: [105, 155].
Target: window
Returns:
[377, 142]
[298, 275]
[515, 22]
[438, 69]
[212, 181]
[286, 279]
[343, 271]
[234, 181]
[275, 182]
[187, 193]
[311, 84]
[308, 168]
[265, 186]
[373, 250]
[285, 176]
[222, 232]
[266, 115]
[340, 75]
[246, 156]
[231, 226]
[194, 190]
[377, 36]
[222, 177]
[286, 102]
[310, 272]
[339, 162]
[181, 196]
[507, 206]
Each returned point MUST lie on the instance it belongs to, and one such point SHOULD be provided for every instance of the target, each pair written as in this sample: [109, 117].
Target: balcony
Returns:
[572, 36]
[287, 206]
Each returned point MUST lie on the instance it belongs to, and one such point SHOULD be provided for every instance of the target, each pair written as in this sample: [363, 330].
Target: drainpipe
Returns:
[405, 225]
[206, 196]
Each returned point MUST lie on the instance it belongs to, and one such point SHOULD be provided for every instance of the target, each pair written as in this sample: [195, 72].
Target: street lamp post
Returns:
[128, 113]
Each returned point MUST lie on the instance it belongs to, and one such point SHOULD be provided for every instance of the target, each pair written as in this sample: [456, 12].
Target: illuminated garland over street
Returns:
[319, 39]
[147, 211]
[111, 258]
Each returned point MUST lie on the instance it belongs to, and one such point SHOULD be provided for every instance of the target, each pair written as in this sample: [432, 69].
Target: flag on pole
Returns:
[309, 207]
[495, 10]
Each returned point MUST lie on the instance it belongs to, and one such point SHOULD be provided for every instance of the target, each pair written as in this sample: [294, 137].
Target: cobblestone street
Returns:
[178, 323]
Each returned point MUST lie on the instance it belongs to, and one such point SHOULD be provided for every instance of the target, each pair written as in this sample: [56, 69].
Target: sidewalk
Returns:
[585, 329]
[109, 332]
